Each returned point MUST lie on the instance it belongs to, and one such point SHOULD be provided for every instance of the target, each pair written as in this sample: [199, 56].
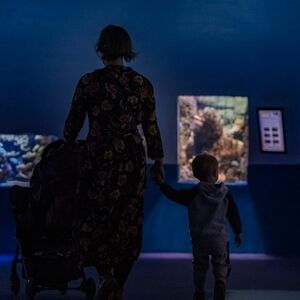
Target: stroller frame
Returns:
[32, 286]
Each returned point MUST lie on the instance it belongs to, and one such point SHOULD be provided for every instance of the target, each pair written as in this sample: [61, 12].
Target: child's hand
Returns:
[238, 240]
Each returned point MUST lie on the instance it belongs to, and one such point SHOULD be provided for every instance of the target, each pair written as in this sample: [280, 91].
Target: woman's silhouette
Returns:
[116, 99]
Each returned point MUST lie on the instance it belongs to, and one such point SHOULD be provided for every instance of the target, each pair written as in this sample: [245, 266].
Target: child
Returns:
[209, 203]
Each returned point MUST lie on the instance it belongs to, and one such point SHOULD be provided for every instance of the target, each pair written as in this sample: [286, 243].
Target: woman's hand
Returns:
[157, 171]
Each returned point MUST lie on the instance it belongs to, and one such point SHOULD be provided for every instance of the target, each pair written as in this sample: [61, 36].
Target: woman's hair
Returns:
[114, 41]
[204, 165]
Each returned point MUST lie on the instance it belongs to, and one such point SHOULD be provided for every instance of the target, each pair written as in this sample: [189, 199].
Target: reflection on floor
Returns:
[262, 295]
[169, 277]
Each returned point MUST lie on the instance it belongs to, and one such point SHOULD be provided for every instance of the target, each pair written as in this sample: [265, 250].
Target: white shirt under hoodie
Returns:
[207, 212]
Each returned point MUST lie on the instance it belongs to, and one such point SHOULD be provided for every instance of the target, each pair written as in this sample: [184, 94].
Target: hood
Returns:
[212, 193]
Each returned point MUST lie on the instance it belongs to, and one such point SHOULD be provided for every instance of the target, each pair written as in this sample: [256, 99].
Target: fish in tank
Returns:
[219, 126]
[19, 154]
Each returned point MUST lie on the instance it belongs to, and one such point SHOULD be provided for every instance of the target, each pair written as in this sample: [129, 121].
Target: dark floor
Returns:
[169, 277]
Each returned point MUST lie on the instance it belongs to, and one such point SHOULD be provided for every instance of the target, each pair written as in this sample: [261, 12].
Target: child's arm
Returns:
[234, 219]
[181, 196]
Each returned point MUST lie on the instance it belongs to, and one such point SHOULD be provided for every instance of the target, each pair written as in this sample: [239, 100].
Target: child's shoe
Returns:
[199, 295]
[219, 291]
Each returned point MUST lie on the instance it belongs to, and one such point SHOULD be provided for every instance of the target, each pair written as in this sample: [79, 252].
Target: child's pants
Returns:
[203, 247]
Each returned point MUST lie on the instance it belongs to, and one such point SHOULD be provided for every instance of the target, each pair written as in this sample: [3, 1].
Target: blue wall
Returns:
[246, 47]
[269, 207]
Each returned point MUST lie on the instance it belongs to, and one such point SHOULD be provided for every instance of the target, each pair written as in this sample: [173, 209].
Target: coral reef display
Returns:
[19, 154]
[218, 125]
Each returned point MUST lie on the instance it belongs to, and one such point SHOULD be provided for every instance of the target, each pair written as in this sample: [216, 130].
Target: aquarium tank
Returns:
[219, 126]
[19, 154]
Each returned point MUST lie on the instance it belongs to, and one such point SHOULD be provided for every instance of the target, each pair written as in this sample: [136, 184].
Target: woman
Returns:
[116, 99]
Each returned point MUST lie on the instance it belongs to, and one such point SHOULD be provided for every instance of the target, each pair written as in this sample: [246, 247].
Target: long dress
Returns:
[116, 99]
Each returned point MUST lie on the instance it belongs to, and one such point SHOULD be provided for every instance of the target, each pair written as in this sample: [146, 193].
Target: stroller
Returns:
[44, 214]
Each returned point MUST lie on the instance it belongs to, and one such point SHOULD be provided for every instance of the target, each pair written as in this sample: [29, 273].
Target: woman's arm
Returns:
[150, 126]
[76, 116]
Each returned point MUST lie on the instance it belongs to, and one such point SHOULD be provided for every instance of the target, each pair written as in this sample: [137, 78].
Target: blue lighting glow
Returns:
[5, 259]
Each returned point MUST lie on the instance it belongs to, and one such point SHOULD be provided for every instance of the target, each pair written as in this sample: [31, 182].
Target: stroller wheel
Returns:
[14, 284]
[30, 290]
[89, 287]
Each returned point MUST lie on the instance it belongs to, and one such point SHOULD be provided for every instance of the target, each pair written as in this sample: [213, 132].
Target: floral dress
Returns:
[116, 99]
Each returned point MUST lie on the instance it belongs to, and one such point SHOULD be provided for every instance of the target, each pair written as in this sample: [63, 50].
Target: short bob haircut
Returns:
[204, 166]
[114, 41]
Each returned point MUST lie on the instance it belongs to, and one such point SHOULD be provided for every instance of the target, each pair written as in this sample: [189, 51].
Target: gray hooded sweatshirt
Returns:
[207, 212]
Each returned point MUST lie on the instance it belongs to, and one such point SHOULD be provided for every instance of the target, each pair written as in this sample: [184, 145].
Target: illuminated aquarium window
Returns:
[218, 125]
[18, 156]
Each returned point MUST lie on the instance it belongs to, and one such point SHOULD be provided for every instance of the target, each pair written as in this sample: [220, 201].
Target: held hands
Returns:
[238, 240]
[157, 172]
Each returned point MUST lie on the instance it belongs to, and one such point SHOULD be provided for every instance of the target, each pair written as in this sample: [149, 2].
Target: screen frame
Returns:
[272, 108]
[243, 181]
